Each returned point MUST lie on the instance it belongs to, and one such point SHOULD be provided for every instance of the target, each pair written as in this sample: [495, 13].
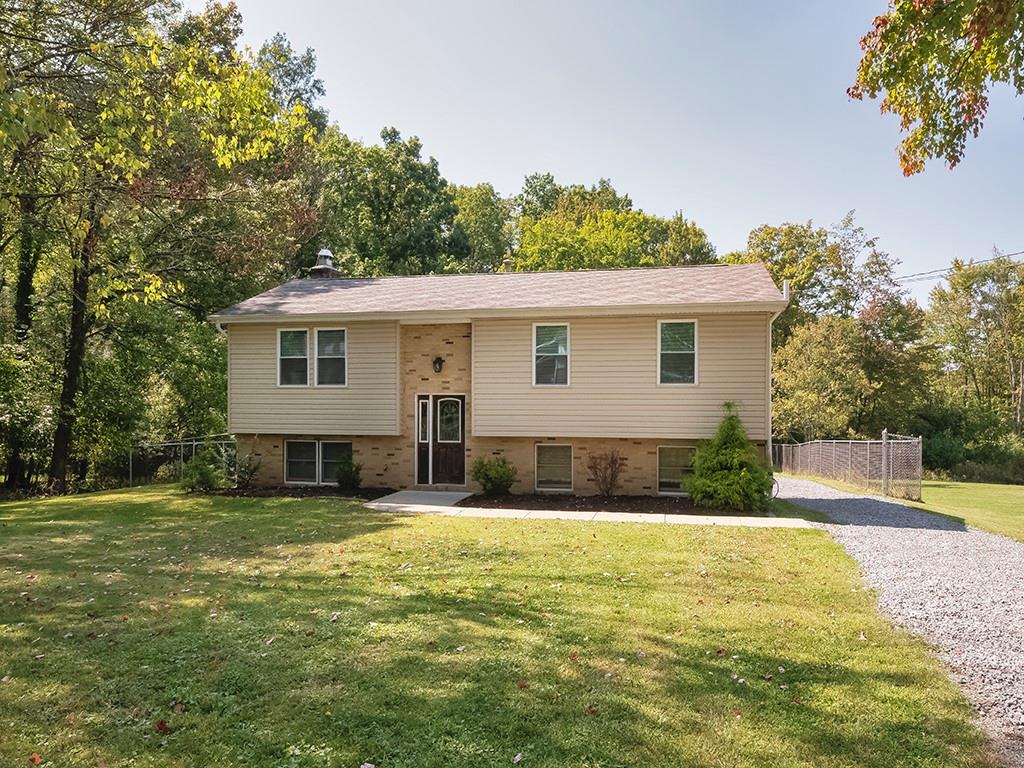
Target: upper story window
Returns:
[677, 352]
[331, 360]
[292, 358]
[551, 354]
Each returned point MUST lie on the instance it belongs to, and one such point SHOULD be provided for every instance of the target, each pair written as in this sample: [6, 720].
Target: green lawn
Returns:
[991, 507]
[147, 628]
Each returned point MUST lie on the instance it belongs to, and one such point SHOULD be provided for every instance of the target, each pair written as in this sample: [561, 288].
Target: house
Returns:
[415, 377]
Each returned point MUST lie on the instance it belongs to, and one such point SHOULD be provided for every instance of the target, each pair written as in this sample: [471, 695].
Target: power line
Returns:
[931, 274]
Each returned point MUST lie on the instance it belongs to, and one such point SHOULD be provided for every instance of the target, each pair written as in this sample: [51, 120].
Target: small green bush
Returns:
[727, 472]
[202, 473]
[495, 476]
[350, 475]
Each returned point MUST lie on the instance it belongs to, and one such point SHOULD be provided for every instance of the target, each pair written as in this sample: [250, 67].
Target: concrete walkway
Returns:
[443, 503]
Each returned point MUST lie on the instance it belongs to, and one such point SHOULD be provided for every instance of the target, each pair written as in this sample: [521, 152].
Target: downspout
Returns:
[771, 320]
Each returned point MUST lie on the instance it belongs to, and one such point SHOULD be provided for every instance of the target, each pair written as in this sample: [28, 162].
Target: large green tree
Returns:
[934, 62]
[385, 209]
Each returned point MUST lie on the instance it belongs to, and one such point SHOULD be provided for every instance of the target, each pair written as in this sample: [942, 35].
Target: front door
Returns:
[440, 440]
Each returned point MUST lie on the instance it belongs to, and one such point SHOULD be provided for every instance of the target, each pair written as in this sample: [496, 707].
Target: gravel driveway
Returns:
[959, 588]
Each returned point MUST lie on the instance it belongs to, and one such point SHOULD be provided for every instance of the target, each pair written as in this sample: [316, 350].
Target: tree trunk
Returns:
[29, 250]
[74, 357]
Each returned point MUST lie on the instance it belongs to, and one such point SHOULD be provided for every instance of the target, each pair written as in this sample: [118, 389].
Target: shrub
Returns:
[202, 473]
[727, 472]
[350, 475]
[495, 475]
[246, 469]
[605, 469]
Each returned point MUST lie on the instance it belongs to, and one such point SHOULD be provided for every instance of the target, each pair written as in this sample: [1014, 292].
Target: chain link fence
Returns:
[889, 467]
[164, 462]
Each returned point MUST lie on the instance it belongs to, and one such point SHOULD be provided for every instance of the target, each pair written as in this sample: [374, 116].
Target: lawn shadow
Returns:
[301, 632]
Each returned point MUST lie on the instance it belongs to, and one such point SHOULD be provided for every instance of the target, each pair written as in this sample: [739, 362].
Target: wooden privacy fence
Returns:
[890, 466]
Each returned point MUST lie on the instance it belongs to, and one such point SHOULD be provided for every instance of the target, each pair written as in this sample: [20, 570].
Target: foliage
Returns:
[385, 210]
[934, 62]
[218, 605]
[350, 475]
[977, 320]
[727, 471]
[483, 218]
[605, 471]
[818, 380]
[495, 475]
[247, 467]
[202, 472]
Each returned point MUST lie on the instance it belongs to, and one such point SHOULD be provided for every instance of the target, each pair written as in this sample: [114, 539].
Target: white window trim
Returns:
[572, 468]
[320, 460]
[316, 460]
[438, 402]
[657, 470]
[696, 354]
[316, 359]
[568, 355]
[277, 360]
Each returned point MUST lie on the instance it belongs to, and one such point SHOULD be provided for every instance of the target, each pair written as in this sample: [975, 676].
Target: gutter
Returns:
[771, 321]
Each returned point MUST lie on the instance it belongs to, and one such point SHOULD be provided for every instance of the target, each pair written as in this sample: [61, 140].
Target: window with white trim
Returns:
[554, 467]
[551, 354]
[293, 358]
[331, 362]
[300, 461]
[332, 454]
[674, 463]
[677, 352]
[424, 421]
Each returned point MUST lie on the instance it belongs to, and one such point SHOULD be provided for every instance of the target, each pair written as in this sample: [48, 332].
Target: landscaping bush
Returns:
[350, 475]
[202, 473]
[727, 472]
[605, 470]
[495, 475]
[246, 469]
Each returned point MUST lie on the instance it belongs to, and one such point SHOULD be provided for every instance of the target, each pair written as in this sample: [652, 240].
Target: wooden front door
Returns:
[440, 440]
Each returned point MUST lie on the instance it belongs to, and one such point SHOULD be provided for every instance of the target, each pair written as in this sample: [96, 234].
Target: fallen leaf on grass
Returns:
[591, 709]
[178, 708]
[573, 656]
[162, 727]
[35, 759]
[521, 684]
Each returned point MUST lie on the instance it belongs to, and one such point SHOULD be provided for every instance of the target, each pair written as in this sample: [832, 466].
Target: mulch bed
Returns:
[678, 505]
[304, 491]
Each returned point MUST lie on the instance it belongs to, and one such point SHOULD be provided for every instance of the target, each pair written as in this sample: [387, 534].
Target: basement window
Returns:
[300, 461]
[674, 462]
[554, 467]
[332, 454]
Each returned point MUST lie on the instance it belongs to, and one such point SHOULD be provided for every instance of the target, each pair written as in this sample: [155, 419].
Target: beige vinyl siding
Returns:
[613, 370]
[368, 405]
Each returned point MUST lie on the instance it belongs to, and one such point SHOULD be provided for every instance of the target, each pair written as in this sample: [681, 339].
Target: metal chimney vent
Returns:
[324, 266]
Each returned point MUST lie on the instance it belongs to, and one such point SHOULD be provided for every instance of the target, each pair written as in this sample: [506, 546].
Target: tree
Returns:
[134, 116]
[818, 381]
[935, 61]
[978, 323]
[484, 219]
[798, 253]
[384, 209]
[294, 78]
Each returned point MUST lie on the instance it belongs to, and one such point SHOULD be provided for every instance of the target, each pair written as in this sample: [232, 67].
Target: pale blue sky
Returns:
[735, 114]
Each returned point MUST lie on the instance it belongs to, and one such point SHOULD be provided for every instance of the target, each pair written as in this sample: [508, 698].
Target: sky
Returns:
[735, 114]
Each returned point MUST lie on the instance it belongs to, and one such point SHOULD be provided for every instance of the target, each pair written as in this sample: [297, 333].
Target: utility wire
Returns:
[933, 274]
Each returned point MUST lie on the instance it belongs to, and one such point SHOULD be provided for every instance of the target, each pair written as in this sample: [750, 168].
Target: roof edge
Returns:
[717, 307]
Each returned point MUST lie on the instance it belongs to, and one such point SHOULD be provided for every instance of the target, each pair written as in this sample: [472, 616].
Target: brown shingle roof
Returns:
[740, 285]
